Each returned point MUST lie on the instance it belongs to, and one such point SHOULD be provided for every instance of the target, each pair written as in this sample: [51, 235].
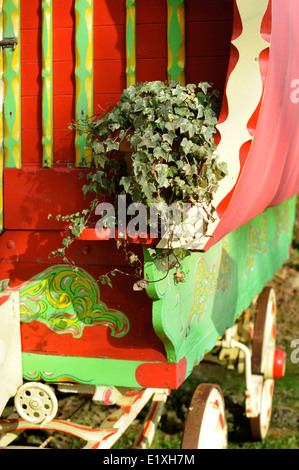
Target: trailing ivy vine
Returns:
[169, 134]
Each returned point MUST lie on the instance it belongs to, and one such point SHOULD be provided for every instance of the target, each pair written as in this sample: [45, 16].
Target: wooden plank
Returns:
[152, 41]
[1, 120]
[207, 69]
[176, 40]
[83, 70]
[152, 69]
[12, 86]
[109, 13]
[201, 10]
[218, 44]
[109, 40]
[131, 42]
[47, 83]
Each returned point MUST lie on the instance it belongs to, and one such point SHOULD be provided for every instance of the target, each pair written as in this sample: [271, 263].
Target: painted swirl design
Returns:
[66, 302]
[208, 279]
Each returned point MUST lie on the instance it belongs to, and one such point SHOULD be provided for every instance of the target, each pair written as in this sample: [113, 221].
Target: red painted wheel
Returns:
[205, 425]
[263, 359]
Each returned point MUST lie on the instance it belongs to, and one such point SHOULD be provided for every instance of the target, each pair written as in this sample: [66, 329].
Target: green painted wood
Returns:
[83, 71]
[131, 42]
[189, 317]
[12, 86]
[47, 81]
[176, 40]
[86, 370]
[1, 122]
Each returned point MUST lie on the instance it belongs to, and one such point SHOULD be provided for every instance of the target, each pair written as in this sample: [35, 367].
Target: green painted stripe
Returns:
[87, 370]
[176, 40]
[47, 80]
[83, 70]
[131, 42]
[12, 86]
[1, 122]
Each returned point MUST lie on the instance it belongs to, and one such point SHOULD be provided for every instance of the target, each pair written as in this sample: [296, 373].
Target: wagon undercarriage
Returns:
[248, 347]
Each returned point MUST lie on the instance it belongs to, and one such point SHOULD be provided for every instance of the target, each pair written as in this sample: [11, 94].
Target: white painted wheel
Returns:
[205, 426]
[263, 354]
[264, 337]
[36, 402]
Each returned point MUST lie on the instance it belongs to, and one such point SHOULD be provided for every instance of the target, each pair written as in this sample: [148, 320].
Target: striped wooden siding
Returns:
[98, 48]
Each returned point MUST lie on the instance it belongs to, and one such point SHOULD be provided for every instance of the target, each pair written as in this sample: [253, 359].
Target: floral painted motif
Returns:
[257, 242]
[282, 221]
[207, 280]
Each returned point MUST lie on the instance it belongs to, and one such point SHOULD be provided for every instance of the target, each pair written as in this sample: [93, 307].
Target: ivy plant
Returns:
[170, 130]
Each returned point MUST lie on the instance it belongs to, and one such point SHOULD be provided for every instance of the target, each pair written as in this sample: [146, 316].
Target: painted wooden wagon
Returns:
[62, 332]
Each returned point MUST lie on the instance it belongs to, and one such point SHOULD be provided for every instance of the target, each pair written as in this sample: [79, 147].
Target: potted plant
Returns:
[155, 147]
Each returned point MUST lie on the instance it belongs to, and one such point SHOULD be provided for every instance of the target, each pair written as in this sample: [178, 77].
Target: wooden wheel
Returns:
[205, 425]
[263, 359]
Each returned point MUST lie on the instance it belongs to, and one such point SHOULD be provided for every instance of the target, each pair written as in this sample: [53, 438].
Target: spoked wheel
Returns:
[266, 359]
[205, 426]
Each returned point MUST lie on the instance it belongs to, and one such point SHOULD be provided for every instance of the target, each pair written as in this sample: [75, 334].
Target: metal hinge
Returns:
[9, 42]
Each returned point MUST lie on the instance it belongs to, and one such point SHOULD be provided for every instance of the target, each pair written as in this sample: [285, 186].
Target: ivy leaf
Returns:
[186, 145]
[105, 280]
[126, 182]
[149, 189]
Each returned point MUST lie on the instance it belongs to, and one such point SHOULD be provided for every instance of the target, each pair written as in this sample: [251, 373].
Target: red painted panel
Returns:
[31, 249]
[31, 112]
[63, 78]
[30, 15]
[25, 254]
[162, 375]
[216, 10]
[207, 69]
[31, 45]
[96, 341]
[63, 146]
[103, 102]
[32, 146]
[208, 39]
[152, 69]
[31, 81]
[109, 42]
[109, 13]
[63, 44]
[64, 111]
[152, 41]
[31, 194]
[154, 11]
[63, 14]
[109, 76]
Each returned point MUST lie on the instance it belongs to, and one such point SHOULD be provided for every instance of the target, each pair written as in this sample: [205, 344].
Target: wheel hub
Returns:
[36, 402]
